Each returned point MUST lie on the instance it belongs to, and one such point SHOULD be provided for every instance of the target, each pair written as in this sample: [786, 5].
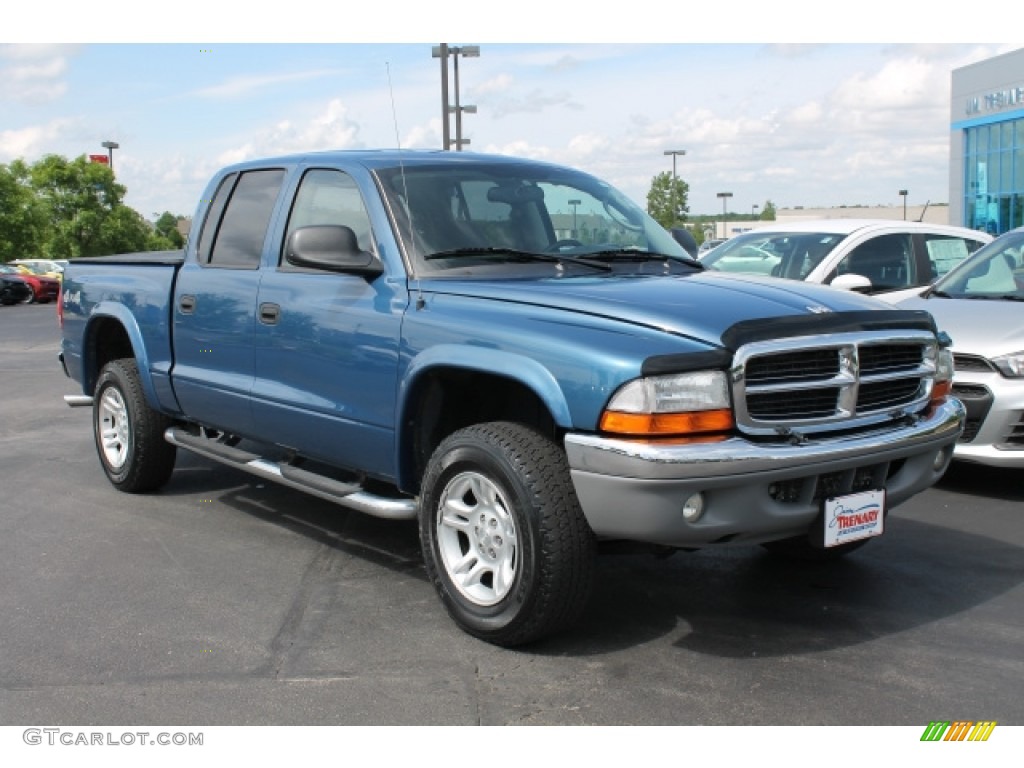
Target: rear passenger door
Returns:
[215, 302]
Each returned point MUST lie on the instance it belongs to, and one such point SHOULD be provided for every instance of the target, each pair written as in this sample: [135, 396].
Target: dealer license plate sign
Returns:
[853, 517]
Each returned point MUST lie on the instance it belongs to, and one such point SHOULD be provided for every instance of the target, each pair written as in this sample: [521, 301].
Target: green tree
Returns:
[77, 197]
[668, 203]
[767, 211]
[123, 230]
[167, 228]
[21, 217]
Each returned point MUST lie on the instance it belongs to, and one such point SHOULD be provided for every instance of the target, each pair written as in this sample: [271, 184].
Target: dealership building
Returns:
[986, 162]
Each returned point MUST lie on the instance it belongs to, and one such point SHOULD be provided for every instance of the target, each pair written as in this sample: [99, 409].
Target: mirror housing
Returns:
[330, 247]
[852, 282]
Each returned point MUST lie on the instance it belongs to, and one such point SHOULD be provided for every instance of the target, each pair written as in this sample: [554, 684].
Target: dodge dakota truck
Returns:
[513, 354]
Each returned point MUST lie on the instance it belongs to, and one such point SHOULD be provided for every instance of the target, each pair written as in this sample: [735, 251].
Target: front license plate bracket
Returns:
[853, 517]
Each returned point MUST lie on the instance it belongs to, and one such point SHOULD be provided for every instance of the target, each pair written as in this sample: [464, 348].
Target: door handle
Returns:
[187, 304]
[270, 313]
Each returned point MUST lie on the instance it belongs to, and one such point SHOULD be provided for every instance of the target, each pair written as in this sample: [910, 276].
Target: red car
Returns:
[44, 288]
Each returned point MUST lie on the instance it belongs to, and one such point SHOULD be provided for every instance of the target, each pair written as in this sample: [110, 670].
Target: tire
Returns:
[129, 434]
[504, 540]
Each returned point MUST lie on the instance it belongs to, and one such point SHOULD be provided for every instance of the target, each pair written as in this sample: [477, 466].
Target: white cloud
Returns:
[331, 129]
[35, 74]
[35, 140]
[245, 85]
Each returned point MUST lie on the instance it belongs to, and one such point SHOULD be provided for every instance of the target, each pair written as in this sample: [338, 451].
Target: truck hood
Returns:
[701, 306]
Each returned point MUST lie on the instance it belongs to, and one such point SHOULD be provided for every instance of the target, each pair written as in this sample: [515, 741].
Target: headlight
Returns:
[678, 404]
[943, 383]
[1011, 365]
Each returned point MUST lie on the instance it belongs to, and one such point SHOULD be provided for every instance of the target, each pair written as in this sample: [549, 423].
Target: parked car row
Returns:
[17, 277]
[980, 304]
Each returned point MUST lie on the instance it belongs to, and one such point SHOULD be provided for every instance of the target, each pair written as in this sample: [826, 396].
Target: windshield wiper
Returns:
[633, 254]
[513, 255]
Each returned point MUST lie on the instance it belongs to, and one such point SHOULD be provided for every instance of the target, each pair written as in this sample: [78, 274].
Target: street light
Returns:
[675, 153]
[753, 211]
[903, 194]
[469, 51]
[725, 196]
[574, 203]
[442, 52]
[110, 146]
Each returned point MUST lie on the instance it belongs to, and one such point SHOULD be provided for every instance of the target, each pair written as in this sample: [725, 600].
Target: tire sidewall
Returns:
[113, 378]
[470, 453]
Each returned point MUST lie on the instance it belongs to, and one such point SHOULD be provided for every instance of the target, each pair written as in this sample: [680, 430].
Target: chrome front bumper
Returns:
[751, 491]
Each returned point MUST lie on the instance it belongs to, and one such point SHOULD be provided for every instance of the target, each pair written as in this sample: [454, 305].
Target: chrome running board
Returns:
[350, 495]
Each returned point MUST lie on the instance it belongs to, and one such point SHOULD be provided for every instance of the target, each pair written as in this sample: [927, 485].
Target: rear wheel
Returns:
[129, 433]
[504, 540]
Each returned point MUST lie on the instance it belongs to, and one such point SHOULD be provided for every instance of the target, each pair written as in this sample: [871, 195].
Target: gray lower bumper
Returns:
[752, 491]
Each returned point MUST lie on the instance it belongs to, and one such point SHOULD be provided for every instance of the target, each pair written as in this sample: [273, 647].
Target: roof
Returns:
[390, 158]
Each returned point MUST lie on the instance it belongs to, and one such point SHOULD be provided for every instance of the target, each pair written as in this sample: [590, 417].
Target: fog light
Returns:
[942, 459]
[693, 507]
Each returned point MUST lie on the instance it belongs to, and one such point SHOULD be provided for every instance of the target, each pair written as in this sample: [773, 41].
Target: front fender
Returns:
[524, 370]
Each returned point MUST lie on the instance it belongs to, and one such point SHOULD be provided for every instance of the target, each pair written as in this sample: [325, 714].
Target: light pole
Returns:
[725, 197]
[110, 146]
[574, 203]
[469, 51]
[672, 197]
[753, 211]
[903, 194]
[442, 52]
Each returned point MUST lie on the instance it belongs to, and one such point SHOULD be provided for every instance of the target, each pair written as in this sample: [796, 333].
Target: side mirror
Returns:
[851, 282]
[330, 247]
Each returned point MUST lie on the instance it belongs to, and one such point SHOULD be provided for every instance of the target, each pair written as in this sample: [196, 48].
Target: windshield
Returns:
[996, 271]
[782, 254]
[493, 216]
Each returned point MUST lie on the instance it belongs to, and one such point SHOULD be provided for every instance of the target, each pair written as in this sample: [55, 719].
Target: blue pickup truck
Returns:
[515, 355]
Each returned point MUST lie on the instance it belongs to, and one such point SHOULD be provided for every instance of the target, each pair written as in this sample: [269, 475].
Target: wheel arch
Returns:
[453, 386]
[112, 333]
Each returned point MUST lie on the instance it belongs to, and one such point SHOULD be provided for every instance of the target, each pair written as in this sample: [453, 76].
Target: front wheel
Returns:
[129, 433]
[504, 540]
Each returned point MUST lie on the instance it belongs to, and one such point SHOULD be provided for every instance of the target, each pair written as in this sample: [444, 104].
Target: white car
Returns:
[866, 255]
[980, 304]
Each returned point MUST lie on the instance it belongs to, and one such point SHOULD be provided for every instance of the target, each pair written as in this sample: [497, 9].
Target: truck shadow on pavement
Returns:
[742, 603]
[736, 602]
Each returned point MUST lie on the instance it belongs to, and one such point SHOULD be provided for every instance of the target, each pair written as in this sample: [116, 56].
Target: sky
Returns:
[824, 112]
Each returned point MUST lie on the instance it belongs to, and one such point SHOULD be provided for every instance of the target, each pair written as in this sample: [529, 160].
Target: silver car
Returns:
[980, 304]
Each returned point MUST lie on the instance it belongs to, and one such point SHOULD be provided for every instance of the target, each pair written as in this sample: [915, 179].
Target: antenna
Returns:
[923, 211]
[420, 303]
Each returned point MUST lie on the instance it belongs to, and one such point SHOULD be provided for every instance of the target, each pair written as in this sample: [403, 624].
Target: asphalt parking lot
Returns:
[225, 600]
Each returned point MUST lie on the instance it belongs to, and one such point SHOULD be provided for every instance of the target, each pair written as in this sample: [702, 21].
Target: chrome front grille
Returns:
[851, 380]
